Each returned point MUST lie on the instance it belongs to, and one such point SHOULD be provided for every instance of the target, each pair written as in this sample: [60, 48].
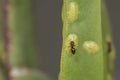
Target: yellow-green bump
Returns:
[91, 46]
[73, 11]
[71, 37]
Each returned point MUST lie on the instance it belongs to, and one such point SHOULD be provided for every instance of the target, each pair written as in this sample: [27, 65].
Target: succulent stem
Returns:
[89, 60]
[22, 27]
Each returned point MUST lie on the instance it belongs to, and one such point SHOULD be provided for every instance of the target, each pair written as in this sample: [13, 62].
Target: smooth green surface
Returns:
[22, 27]
[83, 65]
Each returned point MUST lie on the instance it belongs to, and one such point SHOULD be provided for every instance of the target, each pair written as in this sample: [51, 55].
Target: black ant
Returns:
[72, 45]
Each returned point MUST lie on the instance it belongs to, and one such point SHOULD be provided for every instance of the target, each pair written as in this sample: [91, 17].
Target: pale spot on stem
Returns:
[91, 46]
[73, 11]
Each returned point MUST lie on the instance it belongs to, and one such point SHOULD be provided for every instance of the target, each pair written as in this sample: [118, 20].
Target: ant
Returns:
[72, 45]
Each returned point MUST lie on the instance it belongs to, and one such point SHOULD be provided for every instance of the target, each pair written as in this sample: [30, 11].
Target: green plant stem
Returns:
[22, 26]
[107, 39]
[82, 25]
[24, 55]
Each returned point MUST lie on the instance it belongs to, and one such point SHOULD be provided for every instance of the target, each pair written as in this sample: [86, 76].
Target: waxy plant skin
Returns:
[84, 25]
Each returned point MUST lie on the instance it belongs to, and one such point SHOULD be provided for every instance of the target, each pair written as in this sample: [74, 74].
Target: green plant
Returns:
[88, 52]
[107, 41]
[84, 51]
[21, 46]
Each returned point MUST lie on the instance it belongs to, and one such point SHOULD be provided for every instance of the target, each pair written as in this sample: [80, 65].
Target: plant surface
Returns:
[85, 30]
